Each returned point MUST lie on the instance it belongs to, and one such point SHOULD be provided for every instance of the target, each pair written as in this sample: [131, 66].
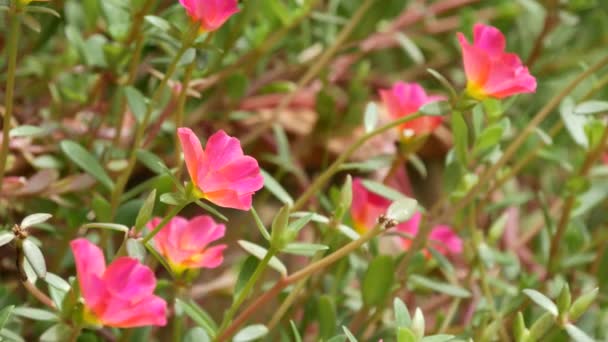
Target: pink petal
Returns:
[200, 233]
[193, 151]
[230, 199]
[488, 38]
[122, 313]
[366, 206]
[210, 258]
[411, 226]
[126, 278]
[476, 62]
[221, 149]
[90, 267]
[447, 239]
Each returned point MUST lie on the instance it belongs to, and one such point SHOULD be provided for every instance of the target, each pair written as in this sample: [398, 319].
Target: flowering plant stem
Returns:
[485, 177]
[12, 45]
[187, 40]
[244, 293]
[225, 334]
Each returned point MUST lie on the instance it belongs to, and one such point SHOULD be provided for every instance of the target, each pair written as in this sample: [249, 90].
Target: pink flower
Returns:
[221, 172]
[366, 207]
[211, 14]
[185, 243]
[442, 238]
[404, 99]
[121, 295]
[491, 72]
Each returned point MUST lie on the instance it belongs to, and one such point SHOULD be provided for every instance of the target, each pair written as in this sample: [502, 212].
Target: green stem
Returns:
[170, 215]
[316, 186]
[14, 31]
[304, 273]
[244, 293]
[141, 129]
[177, 319]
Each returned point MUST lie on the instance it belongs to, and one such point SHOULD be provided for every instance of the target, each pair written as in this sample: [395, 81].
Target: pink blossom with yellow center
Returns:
[366, 207]
[186, 243]
[492, 72]
[221, 172]
[121, 295]
[405, 99]
[211, 14]
[441, 237]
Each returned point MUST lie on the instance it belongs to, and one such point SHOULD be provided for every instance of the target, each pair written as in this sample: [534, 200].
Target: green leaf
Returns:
[260, 224]
[27, 131]
[136, 249]
[57, 282]
[438, 338]
[198, 315]
[295, 332]
[577, 334]
[383, 190]
[591, 107]
[6, 237]
[405, 335]
[158, 22]
[449, 289]
[187, 57]
[460, 132]
[276, 189]
[152, 162]
[410, 48]
[137, 103]
[402, 315]
[418, 324]
[59, 332]
[110, 226]
[326, 316]
[300, 223]
[260, 252]
[489, 138]
[10, 336]
[370, 118]
[87, 162]
[34, 219]
[581, 304]
[304, 249]
[35, 314]
[34, 257]
[575, 124]
[542, 301]
[42, 9]
[251, 333]
[446, 84]
[349, 334]
[378, 280]
[402, 210]
[197, 334]
[435, 108]
[145, 213]
[5, 314]
[541, 326]
[245, 273]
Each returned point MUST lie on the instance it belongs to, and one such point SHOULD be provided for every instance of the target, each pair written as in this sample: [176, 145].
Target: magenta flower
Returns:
[121, 295]
[366, 207]
[211, 14]
[442, 238]
[404, 99]
[492, 72]
[185, 243]
[221, 172]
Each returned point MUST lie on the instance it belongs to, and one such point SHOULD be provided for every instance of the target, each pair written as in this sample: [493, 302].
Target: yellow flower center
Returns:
[476, 91]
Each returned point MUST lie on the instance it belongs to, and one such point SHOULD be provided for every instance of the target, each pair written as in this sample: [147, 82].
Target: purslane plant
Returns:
[345, 256]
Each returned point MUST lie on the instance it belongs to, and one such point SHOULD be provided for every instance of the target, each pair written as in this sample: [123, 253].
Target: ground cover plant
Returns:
[304, 170]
